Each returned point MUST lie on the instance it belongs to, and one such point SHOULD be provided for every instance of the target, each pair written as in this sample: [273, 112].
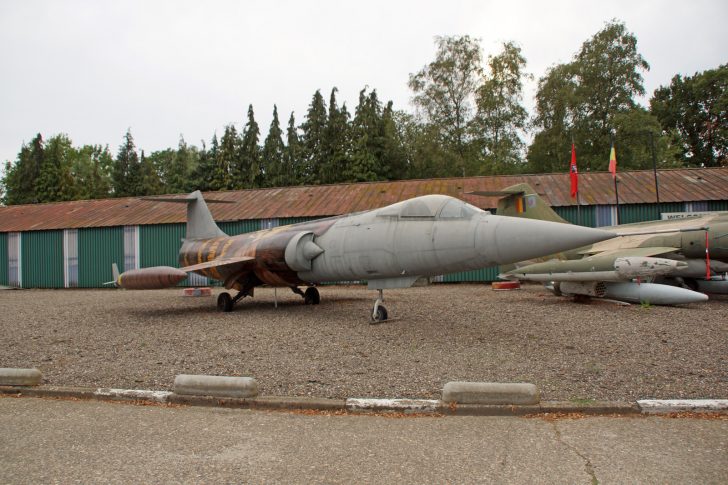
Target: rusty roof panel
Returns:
[636, 187]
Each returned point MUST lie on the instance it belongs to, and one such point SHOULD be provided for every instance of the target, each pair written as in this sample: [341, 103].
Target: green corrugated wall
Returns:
[233, 228]
[42, 259]
[718, 205]
[3, 258]
[629, 213]
[584, 215]
[159, 244]
[98, 248]
[284, 221]
[485, 274]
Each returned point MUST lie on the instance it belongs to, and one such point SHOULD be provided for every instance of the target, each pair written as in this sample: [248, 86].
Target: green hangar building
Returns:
[73, 244]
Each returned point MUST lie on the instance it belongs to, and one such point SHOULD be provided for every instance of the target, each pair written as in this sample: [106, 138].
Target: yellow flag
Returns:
[613, 162]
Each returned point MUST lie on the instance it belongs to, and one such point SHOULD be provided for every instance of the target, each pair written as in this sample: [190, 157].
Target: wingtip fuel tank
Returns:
[153, 278]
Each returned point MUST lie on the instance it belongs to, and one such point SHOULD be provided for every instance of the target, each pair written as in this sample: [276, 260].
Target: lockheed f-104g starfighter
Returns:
[389, 247]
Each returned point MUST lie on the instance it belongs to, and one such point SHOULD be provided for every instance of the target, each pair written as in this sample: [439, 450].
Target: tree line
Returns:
[469, 119]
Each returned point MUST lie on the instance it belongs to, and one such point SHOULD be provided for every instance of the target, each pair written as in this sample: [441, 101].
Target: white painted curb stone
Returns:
[682, 405]
[156, 396]
[411, 405]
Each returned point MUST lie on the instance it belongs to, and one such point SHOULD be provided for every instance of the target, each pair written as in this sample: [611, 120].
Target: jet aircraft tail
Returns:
[200, 223]
[522, 201]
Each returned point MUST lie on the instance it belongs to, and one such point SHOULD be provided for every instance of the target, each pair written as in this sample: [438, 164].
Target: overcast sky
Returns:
[92, 69]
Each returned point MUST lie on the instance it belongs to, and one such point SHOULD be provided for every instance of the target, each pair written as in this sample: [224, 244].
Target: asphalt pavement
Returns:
[65, 441]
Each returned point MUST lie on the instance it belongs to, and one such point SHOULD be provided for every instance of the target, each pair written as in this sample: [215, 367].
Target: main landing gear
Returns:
[379, 313]
[225, 302]
[310, 297]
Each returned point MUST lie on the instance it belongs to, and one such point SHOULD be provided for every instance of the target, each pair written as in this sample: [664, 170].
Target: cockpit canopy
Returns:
[430, 207]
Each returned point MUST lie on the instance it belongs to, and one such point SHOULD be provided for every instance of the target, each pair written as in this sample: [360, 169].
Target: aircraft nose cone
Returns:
[512, 239]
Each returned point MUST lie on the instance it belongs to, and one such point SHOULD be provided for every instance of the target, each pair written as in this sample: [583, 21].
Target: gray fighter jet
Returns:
[390, 247]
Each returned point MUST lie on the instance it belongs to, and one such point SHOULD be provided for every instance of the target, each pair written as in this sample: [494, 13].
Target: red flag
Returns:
[574, 173]
[613, 162]
[707, 257]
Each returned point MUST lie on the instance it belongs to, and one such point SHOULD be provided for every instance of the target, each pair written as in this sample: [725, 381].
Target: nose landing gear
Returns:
[379, 313]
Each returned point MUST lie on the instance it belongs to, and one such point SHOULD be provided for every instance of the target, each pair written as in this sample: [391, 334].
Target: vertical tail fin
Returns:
[522, 201]
[200, 223]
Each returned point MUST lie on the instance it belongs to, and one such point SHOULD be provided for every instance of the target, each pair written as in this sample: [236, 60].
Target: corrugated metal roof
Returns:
[635, 187]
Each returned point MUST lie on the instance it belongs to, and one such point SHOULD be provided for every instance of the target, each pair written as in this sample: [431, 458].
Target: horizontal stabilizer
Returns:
[496, 193]
[219, 263]
[200, 223]
[186, 199]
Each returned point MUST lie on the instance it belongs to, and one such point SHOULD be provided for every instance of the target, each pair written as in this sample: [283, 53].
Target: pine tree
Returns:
[312, 140]
[220, 177]
[126, 176]
[178, 177]
[273, 152]
[394, 157]
[149, 182]
[55, 182]
[292, 159]
[21, 178]
[203, 174]
[249, 171]
[368, 134]
[228, 158]
[336, 143]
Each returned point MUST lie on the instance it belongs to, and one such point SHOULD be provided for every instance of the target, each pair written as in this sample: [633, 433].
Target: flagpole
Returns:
[616, 194]
[578, 204]
[578, 208]
[654, 170]
[573, 175]
[613, 170]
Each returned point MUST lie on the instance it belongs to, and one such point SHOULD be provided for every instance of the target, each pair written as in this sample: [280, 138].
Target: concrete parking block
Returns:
[20, 377]
[219, 386]
[490, 393]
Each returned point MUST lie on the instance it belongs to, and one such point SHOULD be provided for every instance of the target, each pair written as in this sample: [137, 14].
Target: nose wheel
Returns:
[379, 313]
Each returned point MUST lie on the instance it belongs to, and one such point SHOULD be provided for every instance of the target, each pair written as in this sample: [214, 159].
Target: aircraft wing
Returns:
[239, 262]
[622, 252]
[614, 265]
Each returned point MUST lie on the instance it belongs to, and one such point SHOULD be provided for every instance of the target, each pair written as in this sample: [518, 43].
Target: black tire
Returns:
[380, 315]
[691, 284]
[311, 296]
[225, 302]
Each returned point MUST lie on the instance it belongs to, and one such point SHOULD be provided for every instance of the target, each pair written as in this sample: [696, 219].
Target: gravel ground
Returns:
[436, 334]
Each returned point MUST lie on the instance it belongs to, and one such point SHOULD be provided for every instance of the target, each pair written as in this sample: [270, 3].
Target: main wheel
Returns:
[311, 296]
[225, 302]
[380, 315]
